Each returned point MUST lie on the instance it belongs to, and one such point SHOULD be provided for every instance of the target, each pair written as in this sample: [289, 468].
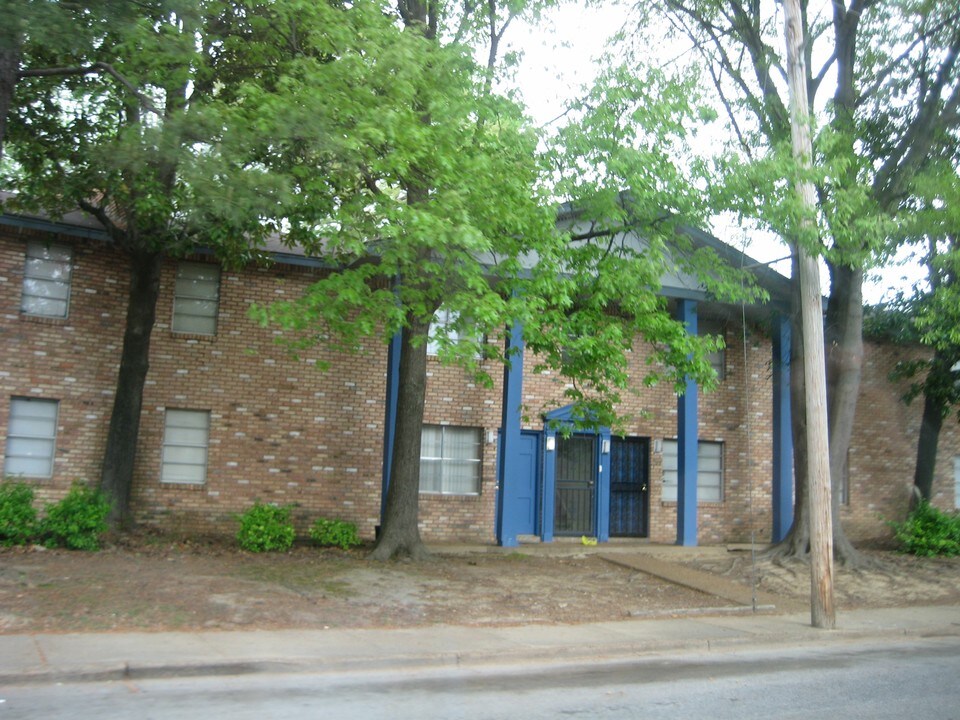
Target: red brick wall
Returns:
[281, 430]
[454, 397]
[284, 431]
[884, 448]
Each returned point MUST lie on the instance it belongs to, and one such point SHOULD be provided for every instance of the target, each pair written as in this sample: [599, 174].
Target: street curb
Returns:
[466, 659]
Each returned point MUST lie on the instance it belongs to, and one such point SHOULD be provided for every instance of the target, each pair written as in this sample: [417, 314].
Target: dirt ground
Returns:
[155, 583]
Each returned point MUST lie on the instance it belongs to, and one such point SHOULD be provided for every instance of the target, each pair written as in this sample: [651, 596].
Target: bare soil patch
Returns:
[889, 579]
[155, 584]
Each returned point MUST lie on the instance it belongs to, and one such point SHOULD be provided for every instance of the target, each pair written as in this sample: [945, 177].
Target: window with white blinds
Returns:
[450, 460]
[47, 274]
[196, 302]
[709, 471]
[31, 437]
[186, 436]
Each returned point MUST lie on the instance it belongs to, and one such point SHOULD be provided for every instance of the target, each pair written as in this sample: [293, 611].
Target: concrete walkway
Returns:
[709, 583]
[108, 656]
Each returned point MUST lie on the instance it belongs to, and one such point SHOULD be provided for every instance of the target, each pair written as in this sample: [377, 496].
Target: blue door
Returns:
[527, 479]
[629, 498]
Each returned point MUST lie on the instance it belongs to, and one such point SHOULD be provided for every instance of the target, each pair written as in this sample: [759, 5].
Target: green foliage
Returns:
[266, 528]
[335, 533]
[929, 531]
[18, 517]
[78, 521]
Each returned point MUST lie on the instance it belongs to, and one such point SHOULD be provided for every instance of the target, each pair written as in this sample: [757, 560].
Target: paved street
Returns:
[856, 679]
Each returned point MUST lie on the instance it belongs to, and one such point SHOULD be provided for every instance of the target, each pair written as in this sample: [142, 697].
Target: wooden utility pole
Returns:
[814, 368]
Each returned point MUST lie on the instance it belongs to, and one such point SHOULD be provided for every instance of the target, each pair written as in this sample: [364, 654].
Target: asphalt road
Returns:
[903, 679]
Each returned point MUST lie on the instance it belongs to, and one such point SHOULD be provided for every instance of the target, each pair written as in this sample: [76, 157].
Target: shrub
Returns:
[335, 533]
[18, 518]
[929, 531]
[266, 528]
[78, 521]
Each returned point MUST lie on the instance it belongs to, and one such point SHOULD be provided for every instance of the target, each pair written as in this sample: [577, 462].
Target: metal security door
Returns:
[629, 465]
[576, 476]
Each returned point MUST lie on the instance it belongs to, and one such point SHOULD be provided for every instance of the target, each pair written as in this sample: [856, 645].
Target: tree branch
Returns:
[914, 145]
[93, 68]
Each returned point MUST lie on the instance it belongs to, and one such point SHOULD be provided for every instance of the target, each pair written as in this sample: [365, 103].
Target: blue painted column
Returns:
[603, 486]
[549, 499]
[390, 415]
[687, 438]
[508, 452]
[782, 431]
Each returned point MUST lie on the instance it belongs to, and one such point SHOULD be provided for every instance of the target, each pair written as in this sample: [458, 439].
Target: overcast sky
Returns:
[559, 57]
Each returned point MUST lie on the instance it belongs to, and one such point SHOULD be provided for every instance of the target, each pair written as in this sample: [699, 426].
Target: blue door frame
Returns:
[553, 421]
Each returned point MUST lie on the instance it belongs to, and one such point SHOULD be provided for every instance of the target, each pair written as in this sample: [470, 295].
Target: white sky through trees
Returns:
[560, 55]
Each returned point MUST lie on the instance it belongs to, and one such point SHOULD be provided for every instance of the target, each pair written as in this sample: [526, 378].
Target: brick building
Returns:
[230, 417]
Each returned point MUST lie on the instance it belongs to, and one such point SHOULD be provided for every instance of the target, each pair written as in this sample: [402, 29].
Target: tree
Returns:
[422, 187]
[888, 103]
[931, 315]
[46, 32]
[129, 129]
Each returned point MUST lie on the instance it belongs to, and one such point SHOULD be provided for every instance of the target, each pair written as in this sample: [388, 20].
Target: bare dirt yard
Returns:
[156, 583]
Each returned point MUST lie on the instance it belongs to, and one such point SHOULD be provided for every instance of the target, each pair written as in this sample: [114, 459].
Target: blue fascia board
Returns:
[59, 228]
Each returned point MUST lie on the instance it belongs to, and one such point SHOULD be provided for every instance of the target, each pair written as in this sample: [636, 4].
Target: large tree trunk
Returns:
[844, 340]
[116, 479]
[9, 65]
[934, 411]
[796, 544]
[401, 533]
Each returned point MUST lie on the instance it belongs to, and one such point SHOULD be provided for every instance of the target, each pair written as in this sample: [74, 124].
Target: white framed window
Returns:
[709, 471]
[46, 280]
[956, 481]
[196, 298]
[450, 460]
[186, 436]
[31, 437]
[444, 332]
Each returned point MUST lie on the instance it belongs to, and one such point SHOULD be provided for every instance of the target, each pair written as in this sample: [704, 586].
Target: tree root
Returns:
[412, 552]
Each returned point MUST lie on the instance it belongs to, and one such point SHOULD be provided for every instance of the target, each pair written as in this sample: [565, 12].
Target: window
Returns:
[196, 298]
[186, 435]
[46, 280]
[443, 331]
[717, 358]
[709, 471]
[450, 460]
[31, 437]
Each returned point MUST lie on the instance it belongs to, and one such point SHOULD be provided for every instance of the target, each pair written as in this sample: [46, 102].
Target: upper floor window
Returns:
[31, 437]
[444, 330]
[196, 301]
[46, 280]
[186, 437]
[709, 471]
[717, 358]
[450, 460]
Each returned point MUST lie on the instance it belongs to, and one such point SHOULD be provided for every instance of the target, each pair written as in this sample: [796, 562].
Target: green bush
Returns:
[928, 531]
[18, 517]
[335, 533]
[78, 521]
[266, 528]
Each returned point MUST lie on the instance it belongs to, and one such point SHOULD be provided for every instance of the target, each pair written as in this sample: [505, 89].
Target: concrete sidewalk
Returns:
[46, 658]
